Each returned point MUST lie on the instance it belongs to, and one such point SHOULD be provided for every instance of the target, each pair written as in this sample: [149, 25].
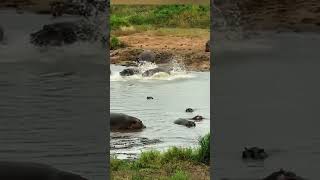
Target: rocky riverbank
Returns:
[189, 51]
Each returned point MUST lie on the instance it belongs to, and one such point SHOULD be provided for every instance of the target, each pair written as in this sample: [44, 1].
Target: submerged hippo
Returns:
[123, 122]
[208, 46]
[33, 171]
[198, 118]
[254, 153]
[185, 122]
[151, 72]
[147, 56]
[283, 175]
[189, 110]
[129, 72]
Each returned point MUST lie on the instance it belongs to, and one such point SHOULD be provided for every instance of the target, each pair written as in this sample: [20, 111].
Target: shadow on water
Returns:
[266, 95]
[52, 99]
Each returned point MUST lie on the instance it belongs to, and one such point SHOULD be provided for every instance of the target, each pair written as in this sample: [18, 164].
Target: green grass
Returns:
[171, 164]
[115, 43]
[181, 16]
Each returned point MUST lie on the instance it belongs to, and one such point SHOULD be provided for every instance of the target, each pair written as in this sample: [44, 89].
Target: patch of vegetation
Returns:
[181, 16]
[173, 164]
[115, 43]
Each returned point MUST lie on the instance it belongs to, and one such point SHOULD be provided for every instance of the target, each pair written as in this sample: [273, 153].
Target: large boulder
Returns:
[61, 33]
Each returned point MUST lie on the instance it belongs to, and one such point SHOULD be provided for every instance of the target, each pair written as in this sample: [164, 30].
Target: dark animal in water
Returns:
[123, 122]
[283, 175]
[129, 72]
[33, 171]
[185, 122]
[189, 110]
[254, 153]
[149, 97]
[198, 118]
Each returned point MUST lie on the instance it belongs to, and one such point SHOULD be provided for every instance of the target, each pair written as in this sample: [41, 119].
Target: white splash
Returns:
[178, 72]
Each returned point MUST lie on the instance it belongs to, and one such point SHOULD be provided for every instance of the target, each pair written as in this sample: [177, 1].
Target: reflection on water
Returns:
[52, 106]
[172, 95]
[267, 95]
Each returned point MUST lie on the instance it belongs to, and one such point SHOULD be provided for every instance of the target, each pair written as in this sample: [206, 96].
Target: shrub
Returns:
[179, 175]
[115, 43]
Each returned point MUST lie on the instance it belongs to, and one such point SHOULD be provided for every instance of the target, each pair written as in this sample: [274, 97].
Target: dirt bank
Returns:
[187, 50]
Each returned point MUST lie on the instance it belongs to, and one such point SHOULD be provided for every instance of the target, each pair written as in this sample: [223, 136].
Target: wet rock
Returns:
[129, 72]
[147, 56]
[189, 110]
[151, 72]
[185, 122]
[254, 153]
[208, 46]
[61, 33]
[283, 175]
[198, 118]
[1, 34]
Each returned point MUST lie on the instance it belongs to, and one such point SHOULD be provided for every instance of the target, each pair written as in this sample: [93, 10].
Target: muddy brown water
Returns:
[266, 94]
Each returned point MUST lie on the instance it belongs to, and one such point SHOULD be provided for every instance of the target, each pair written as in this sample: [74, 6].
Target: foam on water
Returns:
[177, 72]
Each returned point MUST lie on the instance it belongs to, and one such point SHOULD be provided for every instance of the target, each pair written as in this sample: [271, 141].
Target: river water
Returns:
[267, 95]
[52, 107]
[172, 95]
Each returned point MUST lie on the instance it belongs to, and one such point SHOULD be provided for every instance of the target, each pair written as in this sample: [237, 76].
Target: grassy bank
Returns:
[150, 17]
[173, 164]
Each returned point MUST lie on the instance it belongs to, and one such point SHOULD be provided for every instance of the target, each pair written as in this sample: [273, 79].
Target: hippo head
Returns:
[136, 124]
[190, 124]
